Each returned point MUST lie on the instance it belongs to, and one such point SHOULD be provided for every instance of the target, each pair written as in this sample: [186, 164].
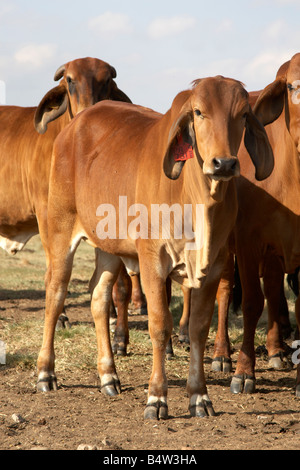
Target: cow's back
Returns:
[24, 168]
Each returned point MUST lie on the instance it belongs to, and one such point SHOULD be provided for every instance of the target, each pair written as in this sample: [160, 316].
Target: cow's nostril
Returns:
[234, 163]
[217, 163]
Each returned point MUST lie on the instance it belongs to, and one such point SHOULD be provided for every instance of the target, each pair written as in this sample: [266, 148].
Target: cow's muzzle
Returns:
[222, 168]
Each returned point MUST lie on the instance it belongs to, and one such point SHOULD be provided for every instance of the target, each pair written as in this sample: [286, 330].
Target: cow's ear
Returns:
[269, 104]
[118, 95]
[180, 145]
[53, 105]
[258, 146]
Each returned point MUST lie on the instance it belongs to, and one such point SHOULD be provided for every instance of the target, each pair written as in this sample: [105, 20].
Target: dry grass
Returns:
[23, 275]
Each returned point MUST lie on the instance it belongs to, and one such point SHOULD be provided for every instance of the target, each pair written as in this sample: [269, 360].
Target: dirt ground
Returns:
[78, 415]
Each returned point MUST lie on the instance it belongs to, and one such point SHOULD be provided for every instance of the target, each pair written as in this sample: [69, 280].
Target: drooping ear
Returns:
[113, 72]
[53, 105]
[269, 104]
[180, 145]
[258, 146]
[118, 95]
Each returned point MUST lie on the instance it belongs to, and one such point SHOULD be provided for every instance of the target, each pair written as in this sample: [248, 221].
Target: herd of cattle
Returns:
[235, 154]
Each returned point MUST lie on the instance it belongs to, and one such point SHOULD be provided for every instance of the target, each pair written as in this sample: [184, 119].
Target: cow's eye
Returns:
[71, 84]
[198, 113]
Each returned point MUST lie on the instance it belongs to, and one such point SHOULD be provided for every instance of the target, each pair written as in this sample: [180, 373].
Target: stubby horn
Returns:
[59, 72]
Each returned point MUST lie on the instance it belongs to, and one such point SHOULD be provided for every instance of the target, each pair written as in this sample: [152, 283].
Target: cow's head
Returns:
[283, 93]
[212, 119]
[83, 83]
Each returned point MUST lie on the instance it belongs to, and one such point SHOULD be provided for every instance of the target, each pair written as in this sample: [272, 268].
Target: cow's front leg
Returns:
[56, 281]
[107, 269]
[160, 329]
[202, 307]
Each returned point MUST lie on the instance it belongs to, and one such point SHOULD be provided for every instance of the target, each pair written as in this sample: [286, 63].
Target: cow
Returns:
[266, 234]
[26, 147]
[117, 155]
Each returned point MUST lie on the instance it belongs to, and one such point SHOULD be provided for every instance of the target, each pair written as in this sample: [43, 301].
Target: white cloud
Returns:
[225, 26]
[162, 27]
[110, 23]
[35, 55]
[263, 67]
[275, 29]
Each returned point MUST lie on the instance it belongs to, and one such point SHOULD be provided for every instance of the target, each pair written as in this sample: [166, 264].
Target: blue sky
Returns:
[158, 47]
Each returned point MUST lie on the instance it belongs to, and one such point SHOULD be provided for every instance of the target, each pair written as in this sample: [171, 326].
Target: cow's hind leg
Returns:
[222, 349]
[121, 299]
[106, 273]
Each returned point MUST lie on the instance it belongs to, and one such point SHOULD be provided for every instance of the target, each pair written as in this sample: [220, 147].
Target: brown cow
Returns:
[145, 152]
[267, 238]
[25, 154]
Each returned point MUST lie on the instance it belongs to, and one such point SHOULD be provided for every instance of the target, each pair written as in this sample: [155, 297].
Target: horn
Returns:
[59, 72]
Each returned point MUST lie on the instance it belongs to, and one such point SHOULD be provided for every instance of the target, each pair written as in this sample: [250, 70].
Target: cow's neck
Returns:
[212, 200]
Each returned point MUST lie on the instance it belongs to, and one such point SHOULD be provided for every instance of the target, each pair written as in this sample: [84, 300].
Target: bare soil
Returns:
[79, 416]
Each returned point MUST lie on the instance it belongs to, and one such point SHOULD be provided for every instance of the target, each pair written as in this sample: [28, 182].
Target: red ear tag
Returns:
[182, 150]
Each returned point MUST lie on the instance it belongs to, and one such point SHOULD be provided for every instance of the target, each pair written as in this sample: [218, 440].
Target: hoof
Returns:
[277, 361]
[155, 411]
[202, 408]
[183, 336]
[111, 389]
[47, 383]
[63, 322]
[221, 364]
[119, 350]
[169, 350]
[242, 383]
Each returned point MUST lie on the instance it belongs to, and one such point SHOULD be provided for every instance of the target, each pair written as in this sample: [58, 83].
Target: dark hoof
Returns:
[221, 364]
[169, 350]
[119, 350]
[63, 322]
[156, 411]
[111, 389]
[202, 409]
[47, 384]
[242, 383]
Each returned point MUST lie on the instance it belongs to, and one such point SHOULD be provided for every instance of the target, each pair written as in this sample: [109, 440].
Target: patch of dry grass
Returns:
[76, 347]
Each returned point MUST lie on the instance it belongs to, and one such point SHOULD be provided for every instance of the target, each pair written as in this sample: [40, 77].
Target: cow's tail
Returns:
[237, 289]
[293, 281]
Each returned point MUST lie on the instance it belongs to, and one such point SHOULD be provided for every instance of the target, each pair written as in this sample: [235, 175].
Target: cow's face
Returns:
[212, 120]
[219, 109]
[83, 83]
[86, 82]
[293, 99]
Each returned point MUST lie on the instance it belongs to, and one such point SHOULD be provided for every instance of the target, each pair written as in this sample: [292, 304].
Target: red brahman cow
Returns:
[116, 157]
[25, 155]
[267, 238]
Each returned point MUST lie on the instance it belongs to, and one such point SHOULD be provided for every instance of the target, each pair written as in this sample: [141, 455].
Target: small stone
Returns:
[106, 442]
[86, 447]
[17, 418]
[42, 421]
